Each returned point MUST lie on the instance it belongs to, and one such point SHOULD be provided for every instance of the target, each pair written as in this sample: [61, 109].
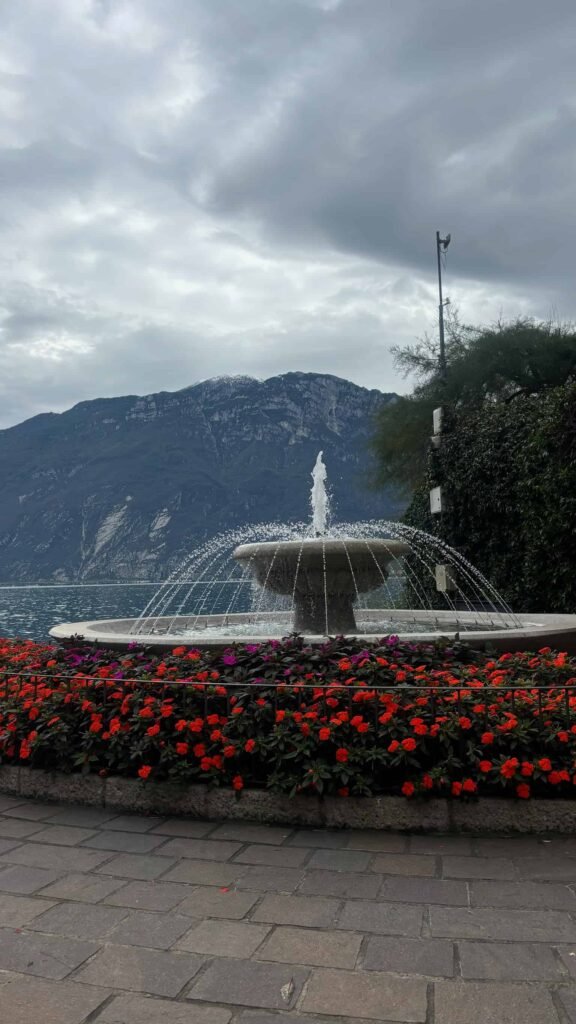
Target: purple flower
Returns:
[75, 659]
[229, 659]
[252, 648]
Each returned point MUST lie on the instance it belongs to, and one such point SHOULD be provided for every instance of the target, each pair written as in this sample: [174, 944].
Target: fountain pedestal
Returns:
[324, 576]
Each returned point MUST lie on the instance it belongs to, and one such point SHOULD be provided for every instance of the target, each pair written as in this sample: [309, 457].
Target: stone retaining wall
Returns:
[389, 813]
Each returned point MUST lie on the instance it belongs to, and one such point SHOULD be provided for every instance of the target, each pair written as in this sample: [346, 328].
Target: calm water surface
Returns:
[30, 611]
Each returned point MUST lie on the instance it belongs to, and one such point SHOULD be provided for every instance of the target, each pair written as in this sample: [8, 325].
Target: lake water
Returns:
[30, 611]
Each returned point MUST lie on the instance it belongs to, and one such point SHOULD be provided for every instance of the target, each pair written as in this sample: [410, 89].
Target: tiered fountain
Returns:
[323, 579]
[323, 575]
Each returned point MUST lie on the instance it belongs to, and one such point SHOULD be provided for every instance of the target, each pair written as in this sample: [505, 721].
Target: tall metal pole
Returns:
[442, 361]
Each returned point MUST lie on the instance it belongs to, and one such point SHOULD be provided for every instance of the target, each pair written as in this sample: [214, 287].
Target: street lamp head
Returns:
[446, 241]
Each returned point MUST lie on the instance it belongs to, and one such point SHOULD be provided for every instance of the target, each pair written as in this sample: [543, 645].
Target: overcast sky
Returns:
[191, 188]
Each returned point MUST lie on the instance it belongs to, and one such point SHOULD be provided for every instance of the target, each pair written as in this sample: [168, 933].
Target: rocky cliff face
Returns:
[123, 488]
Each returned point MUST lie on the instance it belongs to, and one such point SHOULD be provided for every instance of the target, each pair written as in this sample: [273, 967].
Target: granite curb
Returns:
[487, 815]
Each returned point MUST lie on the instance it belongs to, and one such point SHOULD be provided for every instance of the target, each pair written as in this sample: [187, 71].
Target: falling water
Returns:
[210, 581]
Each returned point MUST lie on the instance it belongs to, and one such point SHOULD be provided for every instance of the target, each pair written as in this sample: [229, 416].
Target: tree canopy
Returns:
[485, 365]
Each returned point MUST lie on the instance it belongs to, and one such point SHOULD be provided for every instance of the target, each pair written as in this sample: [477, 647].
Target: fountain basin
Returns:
[217, 632]
[324, 576]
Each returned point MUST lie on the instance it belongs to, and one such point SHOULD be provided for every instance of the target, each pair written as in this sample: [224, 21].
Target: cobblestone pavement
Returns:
[124, 919]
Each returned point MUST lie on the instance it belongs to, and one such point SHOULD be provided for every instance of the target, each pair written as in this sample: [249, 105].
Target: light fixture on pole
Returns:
[441, 246]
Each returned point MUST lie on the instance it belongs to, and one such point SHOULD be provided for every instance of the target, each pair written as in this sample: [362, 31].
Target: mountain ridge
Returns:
[121, 488]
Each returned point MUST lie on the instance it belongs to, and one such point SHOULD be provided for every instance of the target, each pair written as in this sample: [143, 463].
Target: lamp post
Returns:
[445, 582]
[441, 246]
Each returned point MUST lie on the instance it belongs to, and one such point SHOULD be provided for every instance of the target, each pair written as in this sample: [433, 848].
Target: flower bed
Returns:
[341, 719]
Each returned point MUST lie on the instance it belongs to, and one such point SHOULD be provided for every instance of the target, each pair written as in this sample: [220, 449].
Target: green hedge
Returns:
[510, 473]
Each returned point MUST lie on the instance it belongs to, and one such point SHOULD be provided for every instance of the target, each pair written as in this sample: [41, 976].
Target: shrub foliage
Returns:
[509, 472]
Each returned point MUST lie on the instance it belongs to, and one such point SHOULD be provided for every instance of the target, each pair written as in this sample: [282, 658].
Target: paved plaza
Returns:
[124, 919]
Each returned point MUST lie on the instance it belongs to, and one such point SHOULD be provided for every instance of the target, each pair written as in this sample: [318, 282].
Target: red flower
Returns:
[464, 723]
[545, 764]
[199, 750]
[181, 724]
[408, 788]
[182, 748]
[487, 738]
[427, 782]
[144, 771]
[238, 782]
[526, 768]
[363, 727]
[523, 790]
[420, 729]
[409, 743]
[563, 737]
[469, 786]
[342, 755]
[485, 766]
[229, 751]
[324, 734]
[213, 719]
[393, 746]
[146, 713]
[508, 769]
[249, 746]
[456, 788]
[344, 791]
[153, 730]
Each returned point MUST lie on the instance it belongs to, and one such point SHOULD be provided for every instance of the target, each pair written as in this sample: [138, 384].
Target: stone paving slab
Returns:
[52, 1002]
[147, 1010]
[109, 918]
[426, 957]
[232, 938]
[245, 983]
[48, 956]
[375, 996]
[140, 970]
[456, 1002]
[311, 946]
[511, 961]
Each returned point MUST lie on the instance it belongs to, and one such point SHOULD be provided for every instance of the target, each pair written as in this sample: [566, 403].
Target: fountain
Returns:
[325, 578]
[324, 575]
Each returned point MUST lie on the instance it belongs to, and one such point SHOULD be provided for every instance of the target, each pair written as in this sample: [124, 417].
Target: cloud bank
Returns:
[198, 187]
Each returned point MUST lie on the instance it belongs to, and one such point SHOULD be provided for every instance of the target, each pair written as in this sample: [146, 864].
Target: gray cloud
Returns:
[249, 186]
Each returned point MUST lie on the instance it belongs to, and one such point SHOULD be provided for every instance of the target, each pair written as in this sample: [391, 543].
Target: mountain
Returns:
[122, 488]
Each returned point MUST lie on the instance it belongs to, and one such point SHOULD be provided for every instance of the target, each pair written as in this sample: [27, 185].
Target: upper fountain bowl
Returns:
[323, 575]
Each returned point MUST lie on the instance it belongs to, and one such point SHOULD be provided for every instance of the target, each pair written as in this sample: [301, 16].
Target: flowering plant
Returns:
[345, 718]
